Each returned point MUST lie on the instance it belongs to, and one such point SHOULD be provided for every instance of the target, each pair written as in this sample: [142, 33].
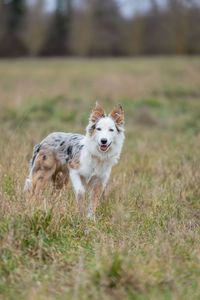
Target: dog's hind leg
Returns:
[43, 170]
[60, 180]
[39, 182]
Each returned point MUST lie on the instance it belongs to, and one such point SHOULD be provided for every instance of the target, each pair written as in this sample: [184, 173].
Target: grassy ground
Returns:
[145, 243]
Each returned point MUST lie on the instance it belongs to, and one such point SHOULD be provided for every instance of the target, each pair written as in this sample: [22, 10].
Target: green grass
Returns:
[145, 243]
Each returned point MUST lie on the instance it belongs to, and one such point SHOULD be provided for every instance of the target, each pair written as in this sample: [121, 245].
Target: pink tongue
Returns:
[103, 147]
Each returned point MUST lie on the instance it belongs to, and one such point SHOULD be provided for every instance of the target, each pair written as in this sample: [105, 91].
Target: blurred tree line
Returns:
[98, 28]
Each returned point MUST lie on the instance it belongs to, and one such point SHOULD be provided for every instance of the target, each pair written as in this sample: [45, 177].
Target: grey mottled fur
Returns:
[66, 146]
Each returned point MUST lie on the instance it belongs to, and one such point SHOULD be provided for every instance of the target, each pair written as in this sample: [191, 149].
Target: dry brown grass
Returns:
[145, 244]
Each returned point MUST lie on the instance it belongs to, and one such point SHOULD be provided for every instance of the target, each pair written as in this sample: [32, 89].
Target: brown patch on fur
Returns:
[96, 195]
[45, 168]
[92, 132]
[60, 179]
[117, 115]
[74, 163]
[45, 161]
[97, 113]
[48, 170]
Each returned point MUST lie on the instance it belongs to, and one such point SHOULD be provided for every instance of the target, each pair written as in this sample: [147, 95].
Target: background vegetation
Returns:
[99, 28]
[145, 243]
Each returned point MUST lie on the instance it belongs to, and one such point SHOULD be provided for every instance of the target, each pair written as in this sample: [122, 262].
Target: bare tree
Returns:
[107, 28]
[57, 42]
[36, 25]
[194, 30]
[11, 44]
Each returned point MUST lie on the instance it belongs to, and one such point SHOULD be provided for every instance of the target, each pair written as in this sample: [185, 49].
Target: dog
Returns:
[86, 160]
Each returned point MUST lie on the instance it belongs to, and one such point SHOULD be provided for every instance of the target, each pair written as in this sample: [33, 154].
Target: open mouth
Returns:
[104, 147]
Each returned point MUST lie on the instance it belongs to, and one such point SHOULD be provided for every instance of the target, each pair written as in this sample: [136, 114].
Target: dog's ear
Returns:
[118, 115]
[97, 113]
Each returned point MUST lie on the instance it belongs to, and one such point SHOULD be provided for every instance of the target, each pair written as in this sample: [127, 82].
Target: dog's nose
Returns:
[103, 141]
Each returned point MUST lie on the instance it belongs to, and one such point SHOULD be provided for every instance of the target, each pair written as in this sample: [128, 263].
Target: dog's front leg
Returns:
[95, 196]
[79, 189]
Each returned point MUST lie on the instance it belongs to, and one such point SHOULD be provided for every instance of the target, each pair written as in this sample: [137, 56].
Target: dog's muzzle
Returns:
[104, 147]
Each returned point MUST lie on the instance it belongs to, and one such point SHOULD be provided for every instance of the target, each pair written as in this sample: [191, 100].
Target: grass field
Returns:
[146, 241]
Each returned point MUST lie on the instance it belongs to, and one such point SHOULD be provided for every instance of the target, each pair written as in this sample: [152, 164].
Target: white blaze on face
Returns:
[106, 133]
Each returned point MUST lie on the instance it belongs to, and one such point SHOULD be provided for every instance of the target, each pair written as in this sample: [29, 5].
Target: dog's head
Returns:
[104, 130]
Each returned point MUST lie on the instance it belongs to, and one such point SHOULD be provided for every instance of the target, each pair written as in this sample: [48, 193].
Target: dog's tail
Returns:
[28, 181]
[27, 184]
[35, 152]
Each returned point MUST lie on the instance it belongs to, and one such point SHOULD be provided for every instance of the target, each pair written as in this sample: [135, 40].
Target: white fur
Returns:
[77, 183]
[95, 164]
[27, 185]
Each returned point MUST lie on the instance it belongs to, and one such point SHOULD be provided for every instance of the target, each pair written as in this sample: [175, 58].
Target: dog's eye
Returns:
[111, 129]
[99, 129]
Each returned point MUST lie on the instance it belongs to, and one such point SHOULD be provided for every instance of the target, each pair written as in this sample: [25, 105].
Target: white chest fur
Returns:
[91, 166]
